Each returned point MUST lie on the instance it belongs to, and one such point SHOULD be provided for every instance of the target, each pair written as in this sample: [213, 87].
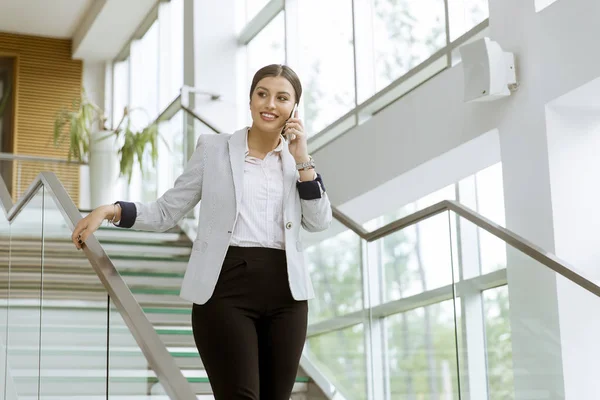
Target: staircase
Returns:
[79, 326]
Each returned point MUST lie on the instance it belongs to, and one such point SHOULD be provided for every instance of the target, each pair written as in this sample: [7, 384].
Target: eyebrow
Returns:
[264, 88]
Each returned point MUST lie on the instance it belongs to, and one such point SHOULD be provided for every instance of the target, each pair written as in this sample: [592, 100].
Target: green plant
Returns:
[79, 121]
[134, 143]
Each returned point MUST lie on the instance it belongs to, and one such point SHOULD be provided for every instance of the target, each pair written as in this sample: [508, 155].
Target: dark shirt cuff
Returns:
[128, 214]
[311, 190]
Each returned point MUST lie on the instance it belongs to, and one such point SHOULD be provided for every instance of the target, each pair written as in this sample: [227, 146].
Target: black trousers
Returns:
[251, 332]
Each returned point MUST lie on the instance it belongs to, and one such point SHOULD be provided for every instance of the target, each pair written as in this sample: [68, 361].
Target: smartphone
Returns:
[283, 129]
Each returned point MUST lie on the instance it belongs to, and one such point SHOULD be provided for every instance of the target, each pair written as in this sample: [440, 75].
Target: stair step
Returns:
[122, 382]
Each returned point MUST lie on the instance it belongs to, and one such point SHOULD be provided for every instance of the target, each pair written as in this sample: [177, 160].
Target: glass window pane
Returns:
[405, 33]
[144, 75]
[144, 106]
[499, 344]
[447, 193]
[335, 268]
[120, 89]
[465, 14]
[340, 356]
[253, 7]
[490, 204]
[326, 61]
[171, 51]
[421, 349]
[416, 259]
[268, 47]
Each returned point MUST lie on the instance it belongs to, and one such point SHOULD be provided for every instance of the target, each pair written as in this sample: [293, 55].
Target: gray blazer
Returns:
[215, 174]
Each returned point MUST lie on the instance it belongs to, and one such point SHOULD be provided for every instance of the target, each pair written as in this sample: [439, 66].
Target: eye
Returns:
[261, 94]
[283, 98]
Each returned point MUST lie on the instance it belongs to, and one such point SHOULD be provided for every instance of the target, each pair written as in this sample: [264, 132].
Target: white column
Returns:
[537, 358]
[573, 125]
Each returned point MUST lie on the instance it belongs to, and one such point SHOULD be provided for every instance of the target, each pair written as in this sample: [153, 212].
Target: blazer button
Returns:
[288, 225]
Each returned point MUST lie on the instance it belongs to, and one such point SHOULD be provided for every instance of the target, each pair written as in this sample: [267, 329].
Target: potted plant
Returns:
[89, 141]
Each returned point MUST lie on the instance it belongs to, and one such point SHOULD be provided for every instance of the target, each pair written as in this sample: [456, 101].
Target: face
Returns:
[272, 103]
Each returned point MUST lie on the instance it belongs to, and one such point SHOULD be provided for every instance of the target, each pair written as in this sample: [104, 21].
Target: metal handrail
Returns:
[160, 360]
[23, 157]
[526, 247]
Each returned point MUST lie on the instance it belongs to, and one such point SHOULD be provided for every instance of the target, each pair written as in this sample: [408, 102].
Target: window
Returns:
[335, 268]
[268, 47]
[170, 78]
[465, 14]
[499, 344]
[144, 105]
[404, 33]
[416, 259]
[121, 85]
[341, 356]
[421, 346]
[253, 7]
[326, 58]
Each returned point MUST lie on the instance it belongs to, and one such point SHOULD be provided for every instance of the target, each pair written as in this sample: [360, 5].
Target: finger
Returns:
[295, 121]
[294, 134]
[295, 125]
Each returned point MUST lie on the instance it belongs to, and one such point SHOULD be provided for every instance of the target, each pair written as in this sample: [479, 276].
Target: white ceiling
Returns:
[53, 18]
[99, 28]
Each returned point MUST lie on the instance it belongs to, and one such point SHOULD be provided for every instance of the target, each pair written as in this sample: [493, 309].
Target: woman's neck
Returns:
[262, 142]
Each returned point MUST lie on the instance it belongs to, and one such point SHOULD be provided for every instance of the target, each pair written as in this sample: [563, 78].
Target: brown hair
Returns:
[278, 70]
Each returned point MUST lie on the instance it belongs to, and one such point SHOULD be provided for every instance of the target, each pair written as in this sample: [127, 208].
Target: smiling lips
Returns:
[268, 116]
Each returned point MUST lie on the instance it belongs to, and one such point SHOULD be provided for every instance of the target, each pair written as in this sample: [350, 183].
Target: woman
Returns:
[246, 275]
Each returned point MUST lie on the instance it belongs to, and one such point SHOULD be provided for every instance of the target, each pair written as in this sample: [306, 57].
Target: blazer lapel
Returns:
[237, 157]
[290, 175]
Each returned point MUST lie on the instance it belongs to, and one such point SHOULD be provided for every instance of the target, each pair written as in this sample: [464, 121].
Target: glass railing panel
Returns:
[414, 260]
[500, 377]
[25, 296]
[340, 355]
[421, 353]
[74, 312]
[335, 267]
[129, 373]
[536, 335]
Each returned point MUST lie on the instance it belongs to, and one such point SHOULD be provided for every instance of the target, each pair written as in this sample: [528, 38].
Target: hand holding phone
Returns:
[294, 113]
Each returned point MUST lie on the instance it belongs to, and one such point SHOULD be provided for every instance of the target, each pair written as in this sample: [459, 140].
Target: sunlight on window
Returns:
[253, 7]
[421, 346]
[405, 33]
[341, 356]
[498, 344]
[336, 270]
[466, 14]
[268, 47]
[327, 61]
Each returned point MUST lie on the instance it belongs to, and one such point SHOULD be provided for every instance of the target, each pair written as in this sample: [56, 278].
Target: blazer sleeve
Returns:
[174, 204]
[316, 208]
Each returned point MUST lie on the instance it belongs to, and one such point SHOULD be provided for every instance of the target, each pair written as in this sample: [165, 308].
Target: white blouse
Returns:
[260, 220]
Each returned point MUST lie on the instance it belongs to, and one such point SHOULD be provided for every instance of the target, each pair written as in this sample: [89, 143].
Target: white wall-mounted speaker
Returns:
[489, 71]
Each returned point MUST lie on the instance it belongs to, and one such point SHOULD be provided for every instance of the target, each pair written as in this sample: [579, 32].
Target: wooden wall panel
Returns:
[47, 79]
